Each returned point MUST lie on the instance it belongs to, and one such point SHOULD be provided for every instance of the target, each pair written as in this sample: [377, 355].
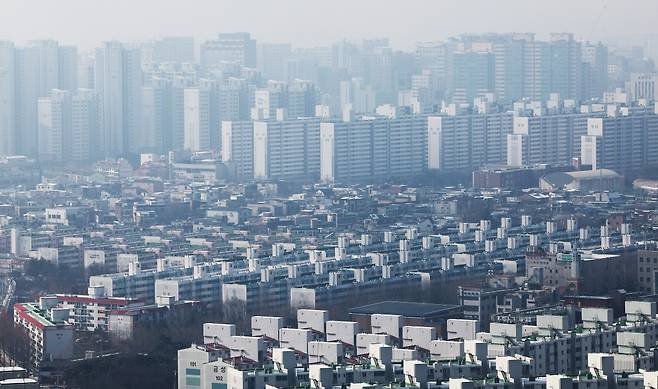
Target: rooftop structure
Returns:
[512, 352]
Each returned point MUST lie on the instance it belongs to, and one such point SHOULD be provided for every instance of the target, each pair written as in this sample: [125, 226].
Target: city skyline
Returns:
[369, 194]
[87, 24]
[156, 97]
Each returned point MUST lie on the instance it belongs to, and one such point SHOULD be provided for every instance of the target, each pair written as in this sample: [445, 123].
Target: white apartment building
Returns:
[54, 125]
[37, 74]
[7, 98]
[622, 140]
[372, 149]
[272, 149]
[197, 119]
[460, 141]
[238, 148]
[84, 124]
[118, 81]
[551, 138]
[643, 86]
[51, 337]
[287, 149]
[155, 118]
[140, 284]
[90, 312]
[358, 97]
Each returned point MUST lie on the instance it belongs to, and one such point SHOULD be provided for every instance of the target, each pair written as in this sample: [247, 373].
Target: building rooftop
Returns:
[648, 185]
[8, 369]
[404, 308]
[34, 314]
[18, 381]
[586, 174]
[560, 179]
[84, 299]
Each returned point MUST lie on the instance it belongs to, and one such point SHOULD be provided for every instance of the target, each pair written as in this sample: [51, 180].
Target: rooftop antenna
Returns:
[598, 20]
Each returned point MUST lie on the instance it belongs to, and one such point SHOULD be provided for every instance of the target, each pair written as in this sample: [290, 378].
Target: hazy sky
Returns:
[313, 22]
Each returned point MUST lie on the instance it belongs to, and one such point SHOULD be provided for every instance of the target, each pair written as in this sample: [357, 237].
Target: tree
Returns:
[44, 275]
[14, 344]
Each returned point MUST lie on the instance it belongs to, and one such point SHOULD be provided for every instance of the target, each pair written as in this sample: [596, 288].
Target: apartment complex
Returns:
[326, 353]
[370, 150]
[50, 335]
[625, 139]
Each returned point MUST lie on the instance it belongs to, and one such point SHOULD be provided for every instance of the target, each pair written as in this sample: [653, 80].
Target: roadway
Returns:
[7, 291]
